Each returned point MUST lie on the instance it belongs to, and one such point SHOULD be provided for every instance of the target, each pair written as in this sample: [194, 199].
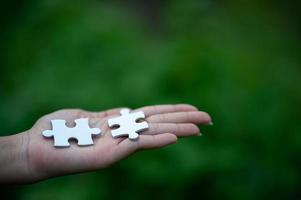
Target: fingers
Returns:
[114, 111]
[127, 146]
[178, 119]
[196, 117]
[159, 109]
[177, 129]
[154, 141]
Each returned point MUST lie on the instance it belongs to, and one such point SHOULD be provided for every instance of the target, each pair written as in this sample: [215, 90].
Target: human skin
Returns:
[29, 157]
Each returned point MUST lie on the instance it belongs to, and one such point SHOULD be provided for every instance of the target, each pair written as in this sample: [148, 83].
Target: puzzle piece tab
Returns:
[128, 124]
[81, 132]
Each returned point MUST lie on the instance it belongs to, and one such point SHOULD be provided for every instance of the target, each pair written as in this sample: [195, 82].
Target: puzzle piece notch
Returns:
[81, 132]
[128, 125]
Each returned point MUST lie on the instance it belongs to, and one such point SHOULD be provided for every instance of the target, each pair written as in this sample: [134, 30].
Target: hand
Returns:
[166, 123]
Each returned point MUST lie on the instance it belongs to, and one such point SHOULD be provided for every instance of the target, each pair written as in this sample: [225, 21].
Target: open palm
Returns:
[166, 123]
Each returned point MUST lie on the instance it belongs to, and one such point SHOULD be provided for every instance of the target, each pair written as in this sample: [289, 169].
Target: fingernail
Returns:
[200, 134]
[211, 124]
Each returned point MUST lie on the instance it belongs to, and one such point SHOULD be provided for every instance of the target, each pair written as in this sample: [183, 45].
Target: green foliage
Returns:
[238, 60]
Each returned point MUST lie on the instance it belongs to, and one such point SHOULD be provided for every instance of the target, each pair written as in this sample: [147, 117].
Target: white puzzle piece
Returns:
[81, 132]
[128, 124]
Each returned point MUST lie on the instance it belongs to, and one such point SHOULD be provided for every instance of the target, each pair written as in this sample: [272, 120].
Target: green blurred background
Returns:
[238, 60]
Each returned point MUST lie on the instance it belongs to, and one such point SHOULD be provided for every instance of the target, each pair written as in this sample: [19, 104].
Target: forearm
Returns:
[13, 159]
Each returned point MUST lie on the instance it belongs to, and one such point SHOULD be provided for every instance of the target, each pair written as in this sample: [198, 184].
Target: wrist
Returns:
[14, 166]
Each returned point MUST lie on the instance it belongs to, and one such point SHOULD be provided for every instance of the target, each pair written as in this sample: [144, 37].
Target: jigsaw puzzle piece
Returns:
[128, 125]
[62, 134]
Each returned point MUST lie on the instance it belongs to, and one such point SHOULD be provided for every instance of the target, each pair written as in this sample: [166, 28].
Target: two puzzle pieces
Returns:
[127, 124]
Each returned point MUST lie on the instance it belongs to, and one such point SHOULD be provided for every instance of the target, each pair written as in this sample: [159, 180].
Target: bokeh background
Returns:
[238, 60]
